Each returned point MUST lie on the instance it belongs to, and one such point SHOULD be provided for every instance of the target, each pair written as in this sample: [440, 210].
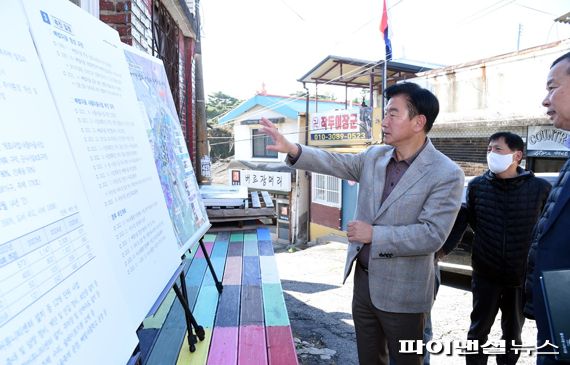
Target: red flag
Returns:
[384, 30]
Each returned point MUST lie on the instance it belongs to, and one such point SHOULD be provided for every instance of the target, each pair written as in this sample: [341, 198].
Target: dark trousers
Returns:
[488, 298]
[378, 333]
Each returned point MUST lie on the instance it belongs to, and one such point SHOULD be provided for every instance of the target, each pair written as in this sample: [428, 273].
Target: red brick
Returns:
[106, 5]
[124, 18]
[124, 30]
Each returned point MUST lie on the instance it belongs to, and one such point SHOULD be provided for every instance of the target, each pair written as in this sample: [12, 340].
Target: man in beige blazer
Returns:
[409, 196]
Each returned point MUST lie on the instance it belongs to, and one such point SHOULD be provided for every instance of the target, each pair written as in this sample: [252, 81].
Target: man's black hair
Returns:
[514, 141]
[420, 101]
[566, 57]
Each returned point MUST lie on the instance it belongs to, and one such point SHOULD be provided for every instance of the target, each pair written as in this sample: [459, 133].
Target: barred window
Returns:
[326, 190]
[259, 143]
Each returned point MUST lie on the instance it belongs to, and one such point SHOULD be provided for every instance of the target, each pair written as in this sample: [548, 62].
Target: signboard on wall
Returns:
[262, 180]
[547, 141]
[341, 127]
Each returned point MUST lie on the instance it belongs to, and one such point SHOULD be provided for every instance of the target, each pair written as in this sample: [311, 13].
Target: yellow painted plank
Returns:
[198, 357]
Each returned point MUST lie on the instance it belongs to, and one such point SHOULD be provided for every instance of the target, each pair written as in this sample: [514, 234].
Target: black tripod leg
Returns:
[197, 328]
[188, 315]
[218, 284]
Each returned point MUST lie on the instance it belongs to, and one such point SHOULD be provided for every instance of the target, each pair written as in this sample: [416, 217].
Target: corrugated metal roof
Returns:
[285, 105]
[351, 72]
[564, 18]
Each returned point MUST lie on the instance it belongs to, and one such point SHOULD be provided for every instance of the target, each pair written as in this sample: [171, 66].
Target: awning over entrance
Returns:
[350, 72]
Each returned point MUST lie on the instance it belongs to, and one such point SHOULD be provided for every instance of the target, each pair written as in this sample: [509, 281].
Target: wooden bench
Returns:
[255, 207]
[247, 324]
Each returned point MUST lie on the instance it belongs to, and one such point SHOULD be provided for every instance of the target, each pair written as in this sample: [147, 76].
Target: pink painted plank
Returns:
[252, 346]
[200, 254]
[232, 272]
[280, 346]
[223, 349]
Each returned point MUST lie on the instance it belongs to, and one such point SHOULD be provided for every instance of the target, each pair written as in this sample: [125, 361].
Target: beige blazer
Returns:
[411, 225]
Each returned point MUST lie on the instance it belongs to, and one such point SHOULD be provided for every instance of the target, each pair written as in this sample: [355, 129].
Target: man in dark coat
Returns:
[503, 205]
[551, 244]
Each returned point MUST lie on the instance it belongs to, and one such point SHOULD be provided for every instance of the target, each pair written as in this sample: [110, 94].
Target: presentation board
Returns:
[171, 156]
[87, 243]
[88, 75]
[55, 303]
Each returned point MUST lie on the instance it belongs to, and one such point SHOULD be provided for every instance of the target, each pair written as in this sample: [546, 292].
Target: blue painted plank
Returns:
[263, 234]
[274, 306]
[206, 305]
[220, 249]
[251, 271]
[223, 237]
[251, 311]
[235, 249]
[195, 272]
[269, 273]
[170, 338]
[218, 263]
[250, 248]
[228, 307]
[265, 247]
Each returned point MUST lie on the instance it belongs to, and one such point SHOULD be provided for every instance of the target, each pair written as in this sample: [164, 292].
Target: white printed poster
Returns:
[85, 66]
[57, 305]
[171, 156]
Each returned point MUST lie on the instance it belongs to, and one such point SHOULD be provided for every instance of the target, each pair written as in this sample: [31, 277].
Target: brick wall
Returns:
[132, 19]
[325, 215]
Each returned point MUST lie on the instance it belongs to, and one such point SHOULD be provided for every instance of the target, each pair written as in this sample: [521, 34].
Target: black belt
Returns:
[365, 269]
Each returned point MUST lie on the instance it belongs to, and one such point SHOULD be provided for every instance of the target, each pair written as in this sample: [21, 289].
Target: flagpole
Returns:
[384, 71]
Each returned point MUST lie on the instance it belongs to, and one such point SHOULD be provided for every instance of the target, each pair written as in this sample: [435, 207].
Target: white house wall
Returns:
[242, 133]
[507, 89]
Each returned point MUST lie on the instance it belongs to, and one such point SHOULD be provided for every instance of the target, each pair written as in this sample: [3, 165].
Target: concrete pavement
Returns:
[319, 308]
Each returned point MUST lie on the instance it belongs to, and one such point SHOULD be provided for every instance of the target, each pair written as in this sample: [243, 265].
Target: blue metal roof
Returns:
[288, 106]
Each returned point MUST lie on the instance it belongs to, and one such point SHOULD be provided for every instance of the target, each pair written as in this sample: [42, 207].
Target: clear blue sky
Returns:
[250, 42]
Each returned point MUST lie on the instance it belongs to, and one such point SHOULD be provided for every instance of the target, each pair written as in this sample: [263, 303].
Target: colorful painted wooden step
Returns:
[246, 324]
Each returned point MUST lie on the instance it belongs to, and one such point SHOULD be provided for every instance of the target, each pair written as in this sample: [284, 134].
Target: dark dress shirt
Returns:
[394, 172]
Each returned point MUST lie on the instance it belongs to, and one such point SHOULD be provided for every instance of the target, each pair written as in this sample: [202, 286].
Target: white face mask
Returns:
[499, 163]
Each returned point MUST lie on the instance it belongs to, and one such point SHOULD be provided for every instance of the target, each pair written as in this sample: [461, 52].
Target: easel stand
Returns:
[195, 331]
[219, 285]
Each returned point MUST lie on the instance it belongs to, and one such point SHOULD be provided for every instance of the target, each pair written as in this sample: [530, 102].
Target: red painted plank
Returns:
[232, 273]
[209, 246]
[252, 346]
[223, 349]
[280, 346]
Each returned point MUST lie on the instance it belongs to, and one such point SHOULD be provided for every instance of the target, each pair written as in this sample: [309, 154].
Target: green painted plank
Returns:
[236, 237]
[250, 248]
[274, 306]
[269, 273]
[209, 237]
[206, 306]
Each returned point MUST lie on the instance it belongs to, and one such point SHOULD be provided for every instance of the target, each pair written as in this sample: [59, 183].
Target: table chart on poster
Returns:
[34, 264]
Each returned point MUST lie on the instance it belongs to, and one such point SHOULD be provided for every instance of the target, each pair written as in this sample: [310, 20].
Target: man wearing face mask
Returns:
[502, 207]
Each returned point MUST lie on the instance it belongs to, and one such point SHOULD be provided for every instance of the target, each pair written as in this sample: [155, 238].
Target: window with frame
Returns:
[326, 190]
[259, 143]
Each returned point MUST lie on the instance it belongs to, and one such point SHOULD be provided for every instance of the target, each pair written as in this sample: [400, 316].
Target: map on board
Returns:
[171, 156]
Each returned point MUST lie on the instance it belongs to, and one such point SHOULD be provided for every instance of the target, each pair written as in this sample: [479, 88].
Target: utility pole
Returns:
[519, 37]
[203, 170]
